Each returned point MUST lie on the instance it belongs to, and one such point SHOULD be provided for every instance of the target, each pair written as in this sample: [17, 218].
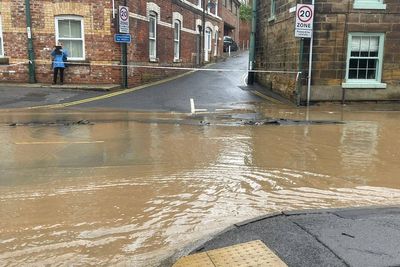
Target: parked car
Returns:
[228, 41]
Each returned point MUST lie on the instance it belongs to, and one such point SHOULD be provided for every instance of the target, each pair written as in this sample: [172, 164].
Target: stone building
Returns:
[164, 33]
[356, 50]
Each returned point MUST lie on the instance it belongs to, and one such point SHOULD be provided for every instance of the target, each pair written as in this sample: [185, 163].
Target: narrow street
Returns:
[210, 90]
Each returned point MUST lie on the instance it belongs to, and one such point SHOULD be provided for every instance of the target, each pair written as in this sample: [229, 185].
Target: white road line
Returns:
[193, 109]
[57, 143]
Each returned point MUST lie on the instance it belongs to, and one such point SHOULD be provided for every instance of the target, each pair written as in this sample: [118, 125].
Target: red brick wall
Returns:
[244, 34]
[100, 48]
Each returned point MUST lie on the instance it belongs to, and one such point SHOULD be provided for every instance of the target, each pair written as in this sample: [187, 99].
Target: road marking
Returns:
[193, 109]
[244, 78]
[273, 100]
[58, 143]
[92, 99]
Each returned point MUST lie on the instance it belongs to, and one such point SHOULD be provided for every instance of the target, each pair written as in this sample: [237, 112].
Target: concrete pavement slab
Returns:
[365, 241]
[332, 237]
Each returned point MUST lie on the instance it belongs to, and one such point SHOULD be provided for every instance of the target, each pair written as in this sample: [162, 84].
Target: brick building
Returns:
[245, 28]
[356, 51]
[231, 17]
[164, 33]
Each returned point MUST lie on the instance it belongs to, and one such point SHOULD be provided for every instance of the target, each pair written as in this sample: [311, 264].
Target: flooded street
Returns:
[134, 188]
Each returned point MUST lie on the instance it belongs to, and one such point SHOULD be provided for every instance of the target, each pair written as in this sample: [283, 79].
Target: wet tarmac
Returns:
[132, 188]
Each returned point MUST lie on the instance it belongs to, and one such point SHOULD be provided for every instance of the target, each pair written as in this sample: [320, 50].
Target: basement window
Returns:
[70, 32]
[1, 40]
[369, 4]
[364, 61]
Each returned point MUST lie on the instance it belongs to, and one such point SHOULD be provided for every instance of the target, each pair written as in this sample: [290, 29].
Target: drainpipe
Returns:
[31, 54]
[252, 55]
[203, 30]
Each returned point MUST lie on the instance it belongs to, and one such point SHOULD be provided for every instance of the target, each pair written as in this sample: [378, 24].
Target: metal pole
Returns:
[300, 69]
[124, 61]
[310, 64]
[31, 53]
[252, 55]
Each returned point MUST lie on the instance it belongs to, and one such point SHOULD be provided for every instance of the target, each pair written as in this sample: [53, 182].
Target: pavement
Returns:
[90, 87]
[335, 237]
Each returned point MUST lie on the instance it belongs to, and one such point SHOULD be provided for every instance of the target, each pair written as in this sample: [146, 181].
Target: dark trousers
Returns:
[56, 70]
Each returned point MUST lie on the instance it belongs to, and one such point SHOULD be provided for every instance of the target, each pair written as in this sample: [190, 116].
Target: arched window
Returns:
[177, 40]
[153, 36]
[70, 32]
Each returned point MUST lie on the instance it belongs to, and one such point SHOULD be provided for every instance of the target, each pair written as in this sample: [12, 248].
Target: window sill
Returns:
[364, 85]
[76, 62]
[4, 60]
[177, 60]
[271, 19]
[154, 60]
[369, 6]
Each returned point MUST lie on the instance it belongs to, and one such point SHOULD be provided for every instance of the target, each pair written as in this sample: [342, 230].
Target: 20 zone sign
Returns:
[304, 20]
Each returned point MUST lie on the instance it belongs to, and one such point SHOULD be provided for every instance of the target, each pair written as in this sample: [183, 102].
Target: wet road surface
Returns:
[210, 90]
[130, 189]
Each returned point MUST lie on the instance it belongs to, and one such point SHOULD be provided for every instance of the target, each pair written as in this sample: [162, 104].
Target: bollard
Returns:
[229, 51]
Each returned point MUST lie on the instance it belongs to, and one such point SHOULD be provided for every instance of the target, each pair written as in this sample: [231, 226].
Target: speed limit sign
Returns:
[123, 19]
[304, 21]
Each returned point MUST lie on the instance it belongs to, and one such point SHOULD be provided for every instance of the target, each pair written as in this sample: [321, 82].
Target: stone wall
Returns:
[277, 49]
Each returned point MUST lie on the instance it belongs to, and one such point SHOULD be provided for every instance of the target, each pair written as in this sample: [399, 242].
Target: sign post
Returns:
[304, 29]
[124, 38]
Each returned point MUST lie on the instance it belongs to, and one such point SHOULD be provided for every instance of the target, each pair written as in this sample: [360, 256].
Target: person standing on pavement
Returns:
[59, 58]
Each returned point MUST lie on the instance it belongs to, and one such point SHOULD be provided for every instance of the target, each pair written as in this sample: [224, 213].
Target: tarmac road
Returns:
[210, 90]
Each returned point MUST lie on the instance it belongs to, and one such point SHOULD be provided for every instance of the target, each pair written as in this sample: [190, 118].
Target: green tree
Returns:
[245, 12]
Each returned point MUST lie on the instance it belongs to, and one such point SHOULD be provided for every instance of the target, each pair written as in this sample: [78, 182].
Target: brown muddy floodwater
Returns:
[132, 190]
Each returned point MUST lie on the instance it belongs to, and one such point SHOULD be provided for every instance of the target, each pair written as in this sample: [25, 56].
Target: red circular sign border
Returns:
[126, 10]
[309, 10]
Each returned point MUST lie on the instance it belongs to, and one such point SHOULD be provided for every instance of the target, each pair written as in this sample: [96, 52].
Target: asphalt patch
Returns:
[56, 123]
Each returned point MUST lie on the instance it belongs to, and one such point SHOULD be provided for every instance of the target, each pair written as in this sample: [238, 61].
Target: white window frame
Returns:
[1, 39]
[366, 83]
[369, 4]
[216, 34]
[76, 18]
[153, 54]
[177, 40]
[272, 11]
[209, 33]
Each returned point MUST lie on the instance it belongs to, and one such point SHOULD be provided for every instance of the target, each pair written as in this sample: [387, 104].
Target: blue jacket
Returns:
[58, 60]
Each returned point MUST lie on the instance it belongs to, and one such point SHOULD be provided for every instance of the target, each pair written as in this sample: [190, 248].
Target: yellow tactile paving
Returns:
[196, 260]
[251, 254]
